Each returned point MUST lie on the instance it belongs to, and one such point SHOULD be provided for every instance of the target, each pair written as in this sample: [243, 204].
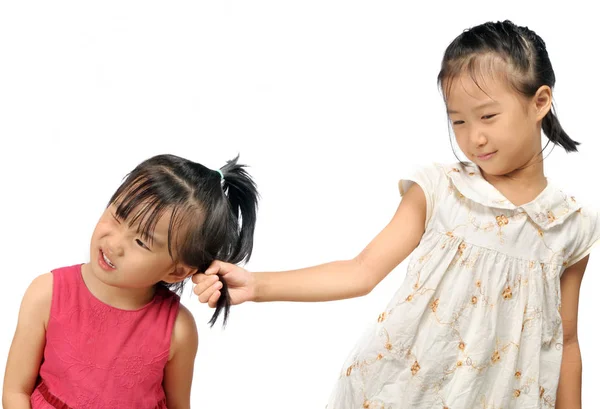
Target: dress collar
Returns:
[550, 208]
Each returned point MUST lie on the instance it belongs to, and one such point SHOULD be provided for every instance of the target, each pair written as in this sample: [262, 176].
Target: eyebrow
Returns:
[477, 108]
[155, 241]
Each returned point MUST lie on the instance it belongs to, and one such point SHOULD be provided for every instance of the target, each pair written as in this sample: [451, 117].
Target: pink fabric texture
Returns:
[97, 356]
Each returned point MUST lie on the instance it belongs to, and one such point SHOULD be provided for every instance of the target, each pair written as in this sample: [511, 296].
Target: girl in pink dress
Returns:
[111, 333]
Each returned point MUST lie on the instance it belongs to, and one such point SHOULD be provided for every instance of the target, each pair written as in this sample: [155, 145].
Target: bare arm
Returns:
[27, 349]
[179, 371]
[569, 385]
[356, 277]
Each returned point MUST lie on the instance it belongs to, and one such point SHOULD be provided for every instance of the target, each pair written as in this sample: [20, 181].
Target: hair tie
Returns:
[220, 173]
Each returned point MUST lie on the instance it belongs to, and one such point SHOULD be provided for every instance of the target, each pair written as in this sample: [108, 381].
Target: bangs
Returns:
[141, 203]
[478, 67]
[482, 68]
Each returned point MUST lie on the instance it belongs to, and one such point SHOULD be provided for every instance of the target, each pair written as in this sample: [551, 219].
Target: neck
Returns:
[528, 176]
[117, 297]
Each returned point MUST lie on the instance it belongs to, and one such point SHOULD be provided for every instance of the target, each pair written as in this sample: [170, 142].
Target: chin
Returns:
[494, 169]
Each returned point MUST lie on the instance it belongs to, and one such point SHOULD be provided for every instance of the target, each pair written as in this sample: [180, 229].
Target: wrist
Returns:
[255, 286]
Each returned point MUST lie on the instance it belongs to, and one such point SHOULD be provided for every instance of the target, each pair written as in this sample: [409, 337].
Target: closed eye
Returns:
[488, 116]
[141, 244]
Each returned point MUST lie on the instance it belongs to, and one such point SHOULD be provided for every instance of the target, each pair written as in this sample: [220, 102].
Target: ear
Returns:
[542, 102]
[180, 272]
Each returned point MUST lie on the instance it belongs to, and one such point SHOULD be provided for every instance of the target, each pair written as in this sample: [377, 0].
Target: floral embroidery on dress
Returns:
[100, 357]
[482, 291]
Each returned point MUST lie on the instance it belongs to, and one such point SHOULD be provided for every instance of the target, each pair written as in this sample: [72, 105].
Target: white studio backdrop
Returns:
[329, 102]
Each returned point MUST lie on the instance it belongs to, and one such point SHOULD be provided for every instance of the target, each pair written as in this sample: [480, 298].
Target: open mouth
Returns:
[105, 262]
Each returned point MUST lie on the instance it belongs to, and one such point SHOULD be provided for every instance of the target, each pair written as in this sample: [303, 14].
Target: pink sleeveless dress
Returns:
[100, 357]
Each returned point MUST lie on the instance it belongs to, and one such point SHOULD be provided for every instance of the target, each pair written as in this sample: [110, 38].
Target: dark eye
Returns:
[458, 122]
[141, 244]
[488, 116]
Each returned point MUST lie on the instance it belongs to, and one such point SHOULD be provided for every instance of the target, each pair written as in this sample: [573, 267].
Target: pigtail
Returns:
[241, 196]
[556, 134]
[216, 210]
[223, 305]
[523, 50]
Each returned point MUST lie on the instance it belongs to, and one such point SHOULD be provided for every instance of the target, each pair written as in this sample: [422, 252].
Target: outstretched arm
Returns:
[331, 281]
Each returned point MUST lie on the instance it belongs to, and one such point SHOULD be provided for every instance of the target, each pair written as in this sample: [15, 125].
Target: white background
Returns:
[330, 102]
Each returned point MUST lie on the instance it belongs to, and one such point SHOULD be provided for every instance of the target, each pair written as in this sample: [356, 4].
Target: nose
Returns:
[114, 245]
[477, 136]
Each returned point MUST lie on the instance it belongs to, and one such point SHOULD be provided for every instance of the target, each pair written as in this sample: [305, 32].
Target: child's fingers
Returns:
[205, 283]
[212, 301]
[216, 267]
[220, 268]
[205, 296]
[212, 270]
[200, 278]
[208, 293]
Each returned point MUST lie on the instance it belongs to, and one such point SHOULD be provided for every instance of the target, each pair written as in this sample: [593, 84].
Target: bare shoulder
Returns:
[185, 332]
[185, 321]
[40, 289]
[38, 297]
[415, 195]
[42, 283]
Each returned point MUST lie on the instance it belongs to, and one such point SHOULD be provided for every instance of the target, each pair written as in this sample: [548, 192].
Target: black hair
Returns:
[217, 209]
[522, 50]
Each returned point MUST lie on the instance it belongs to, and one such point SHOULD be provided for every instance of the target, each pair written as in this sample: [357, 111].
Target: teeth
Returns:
[108, 261]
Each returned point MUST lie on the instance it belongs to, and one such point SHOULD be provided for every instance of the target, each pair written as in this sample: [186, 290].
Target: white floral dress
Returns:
[476, 323]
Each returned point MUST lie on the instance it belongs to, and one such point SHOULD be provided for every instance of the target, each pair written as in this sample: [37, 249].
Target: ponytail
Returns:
[242, 196]
[556, 134]
[215, 209]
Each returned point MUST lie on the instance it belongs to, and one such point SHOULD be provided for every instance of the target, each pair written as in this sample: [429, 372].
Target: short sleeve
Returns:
[587, 236]
[429, 179]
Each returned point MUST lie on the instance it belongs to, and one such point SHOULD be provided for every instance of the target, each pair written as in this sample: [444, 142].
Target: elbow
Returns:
[363, 290]
[570, 339]
[368, 286]
[11, 399]
[571, 351]
[363, 277]
[569, 333]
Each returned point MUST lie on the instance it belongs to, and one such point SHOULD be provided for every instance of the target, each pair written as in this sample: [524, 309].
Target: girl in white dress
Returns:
[486, 317]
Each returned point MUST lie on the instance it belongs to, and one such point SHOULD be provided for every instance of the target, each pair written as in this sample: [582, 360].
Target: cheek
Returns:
[102, 228]
[153, 269]
[521, 123]
[98, 230]
[462, 140]
[149, 261]
[518, 135]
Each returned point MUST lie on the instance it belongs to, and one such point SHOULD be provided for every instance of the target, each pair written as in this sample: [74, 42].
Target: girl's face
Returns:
[121, 257]
[496, 127]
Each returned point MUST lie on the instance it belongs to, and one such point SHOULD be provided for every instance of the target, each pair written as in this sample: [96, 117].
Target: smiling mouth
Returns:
[107, 260]
[486, 156]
